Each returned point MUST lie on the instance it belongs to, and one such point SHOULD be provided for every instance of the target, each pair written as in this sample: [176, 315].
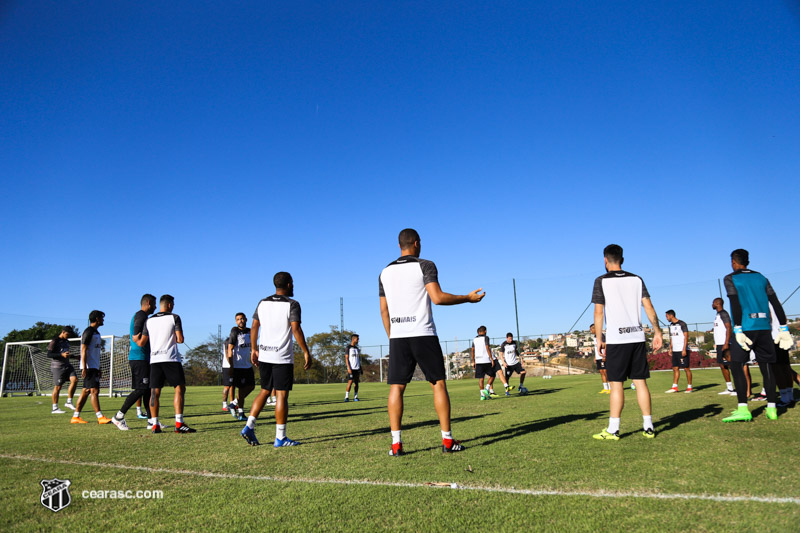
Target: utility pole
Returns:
[516, 313]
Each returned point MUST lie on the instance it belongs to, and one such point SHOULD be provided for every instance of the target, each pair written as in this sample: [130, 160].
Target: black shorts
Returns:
[484, 369]
[510, 369]
[625, 361]
[781, 356]
[227, 377]
[406, 353]
[275, 376]
[679, 361]
[244, 377]
[355, 375]
[92, 379]
[600, 364]
[140, 374]
[721, 355]
[63, 373]
[170, 373]
[763, 346]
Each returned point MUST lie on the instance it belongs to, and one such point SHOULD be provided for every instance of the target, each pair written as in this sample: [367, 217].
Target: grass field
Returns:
[536, 443]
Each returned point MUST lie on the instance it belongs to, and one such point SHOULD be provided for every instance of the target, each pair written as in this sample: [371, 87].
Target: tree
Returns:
[203, 363]
[38, 332]
[327, 350]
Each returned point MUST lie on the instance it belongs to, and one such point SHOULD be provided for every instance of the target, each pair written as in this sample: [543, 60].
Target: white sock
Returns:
[224, 404]
[234, 402]
[346, 395]
[76, 414]
[179, 419]
[674, 385]
[69, 401]
[120, 415]
[151, 421]
[688, 387]
[447, 435]
[251, 422]
[138, 411]
[743, 405]
[274, 400]
[606, 386]
[99, 414]
[395, 436]
[491, 391]
[770, 404]
[613, 425]
[647, 422]
[155, 421]
[729, 385]
[763, 391]
[55, 406]
[280, 431]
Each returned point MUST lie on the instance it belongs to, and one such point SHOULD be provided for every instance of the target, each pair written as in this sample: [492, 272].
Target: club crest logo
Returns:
[55, 493]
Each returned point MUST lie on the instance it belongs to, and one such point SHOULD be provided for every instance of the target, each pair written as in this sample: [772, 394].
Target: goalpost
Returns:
[26, 367]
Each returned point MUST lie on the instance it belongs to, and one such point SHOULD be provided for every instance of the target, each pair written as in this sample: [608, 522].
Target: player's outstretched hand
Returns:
[307, 364]
[476, 296]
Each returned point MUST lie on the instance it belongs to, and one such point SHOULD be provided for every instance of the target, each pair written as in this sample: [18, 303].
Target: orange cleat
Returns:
[77, 420]
[103, 420]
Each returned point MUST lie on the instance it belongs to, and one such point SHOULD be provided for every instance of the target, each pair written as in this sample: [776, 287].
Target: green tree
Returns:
[40, 331]
[203, 363]
[327, 350]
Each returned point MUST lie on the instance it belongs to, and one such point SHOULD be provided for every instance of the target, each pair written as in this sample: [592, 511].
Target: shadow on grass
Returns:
[268, 415]
[672, 421]
[706, 386]
[518, 430]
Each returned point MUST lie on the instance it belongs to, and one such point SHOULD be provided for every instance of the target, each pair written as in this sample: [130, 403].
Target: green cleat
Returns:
[605, 435]
[772, 413]
[649, 433]
[742, 414]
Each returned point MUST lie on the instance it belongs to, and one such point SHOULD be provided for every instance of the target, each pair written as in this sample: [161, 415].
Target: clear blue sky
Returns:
[196, 148]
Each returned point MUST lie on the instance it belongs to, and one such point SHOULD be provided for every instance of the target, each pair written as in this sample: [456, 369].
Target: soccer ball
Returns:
[523, 390]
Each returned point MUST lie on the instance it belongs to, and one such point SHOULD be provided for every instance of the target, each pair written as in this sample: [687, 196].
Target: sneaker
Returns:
[726, 391]
[103, 420]
[396, 450]
[355, 399]
[346, 400]
[77, 420]
[602, 391]
[241, 417]
[510, 387]
[688, 391]
[608, 391]
[69, 405]
[183, 428]
[141, 416]
[633, 387]
[57, 411]
[493, 395]
[670, 391]
[156, 428]
[225, 409]
[741, 414]
[772, 413]
[649, 433]
[759, 398]
[605, 435]
[285, 441]
[455, 446]
[121, 424]
[485, 395]
[233, 413]
[249, 434]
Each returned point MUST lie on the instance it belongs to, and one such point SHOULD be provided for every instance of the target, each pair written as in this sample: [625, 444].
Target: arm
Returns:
[179, 337]
[347, 360]
[445, 298]
[658, 340]
[685, 341]
[387, 325]
[83, 360]
[301, 340]
[229, 354]
[254, 341]
[728, 331]
[776, 305]
[599, 317]
[472, 355]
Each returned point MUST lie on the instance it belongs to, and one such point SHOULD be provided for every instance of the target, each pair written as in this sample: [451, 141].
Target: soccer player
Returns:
[618, 297]
[228, 387]
[509, 357]
[681, 357]
[275, 320]
[722, 338]
[238, 355]
[164, 331]
[62, 369]
[353, 361]
[139, 361]
[406, 288]
[600, 362]
[482, 363]
[750, 295]
[91, 347]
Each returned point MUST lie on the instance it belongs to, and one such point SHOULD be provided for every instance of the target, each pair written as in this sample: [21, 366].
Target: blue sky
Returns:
[196, 148]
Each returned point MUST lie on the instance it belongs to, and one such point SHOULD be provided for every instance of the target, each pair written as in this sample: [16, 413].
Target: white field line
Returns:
[322, 481]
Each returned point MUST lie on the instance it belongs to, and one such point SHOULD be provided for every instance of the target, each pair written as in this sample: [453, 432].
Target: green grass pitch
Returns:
[538, 442]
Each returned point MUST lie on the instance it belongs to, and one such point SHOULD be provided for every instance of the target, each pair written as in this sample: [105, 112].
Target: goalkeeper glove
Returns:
[743, 340]
[784, 340]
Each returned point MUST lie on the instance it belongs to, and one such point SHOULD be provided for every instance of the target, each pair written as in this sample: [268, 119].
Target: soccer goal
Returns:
[26, 367]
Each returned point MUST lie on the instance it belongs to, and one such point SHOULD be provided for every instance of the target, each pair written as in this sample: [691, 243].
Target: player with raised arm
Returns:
[722, 337]
[681, 356]
[139, 361]
[599, 362]
[91, 348]
[62, 369]
[509, 357]
[352, 359]
[275, 320]
[164, 331]
[618, 298]
[237, 352]
[406, 288]
[483, 363]
[750, 295]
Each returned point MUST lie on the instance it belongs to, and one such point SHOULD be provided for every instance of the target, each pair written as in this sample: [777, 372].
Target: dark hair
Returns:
[282, 280]
[354, 336]
[69, 331]
[509, 334]
[592, 324]
[741, 256]
[167, 298]
[147, 298]
[240, 314]
[95, 315]
[407, 238]
[671, 312]
[482, 328]
[613, 252]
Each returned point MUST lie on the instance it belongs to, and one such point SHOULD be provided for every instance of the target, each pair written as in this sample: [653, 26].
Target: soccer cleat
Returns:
[225, 408]
[508, 393]
[77, 420]
[741, 414]
[605, 435]
[602, 391]
[241, 417]
[772, 413]
[183, 428]
[346, 400]
[103, 420]
[249, 434]
[233, 413]
[156, 428]
[759, 398]
[493, 395]
[510, 387]
[396, 450]
[355, 399]
[633, 387]
[726, 391]
[121, 424]
[453, 446]
[649, 433]
[285, 441]
[69, 405]
[57, 412]
[688, 391]
[670, 391]
[141, 416]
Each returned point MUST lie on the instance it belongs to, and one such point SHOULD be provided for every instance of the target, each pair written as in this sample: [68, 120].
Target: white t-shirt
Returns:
[720, 331]
[94, 346]
[239, 340]
[402, 283]
[161, 328]
[677, 335]
[275, 315]
[510, 353]
[353, 353]
[481, 345]
[621, 295]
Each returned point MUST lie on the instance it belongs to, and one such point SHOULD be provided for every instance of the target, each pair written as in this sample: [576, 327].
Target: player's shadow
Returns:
[539, 392]
[518, 430]
[703, 387]
[674, 420]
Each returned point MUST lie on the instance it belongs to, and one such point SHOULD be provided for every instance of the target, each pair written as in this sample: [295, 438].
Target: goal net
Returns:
[26, 367]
